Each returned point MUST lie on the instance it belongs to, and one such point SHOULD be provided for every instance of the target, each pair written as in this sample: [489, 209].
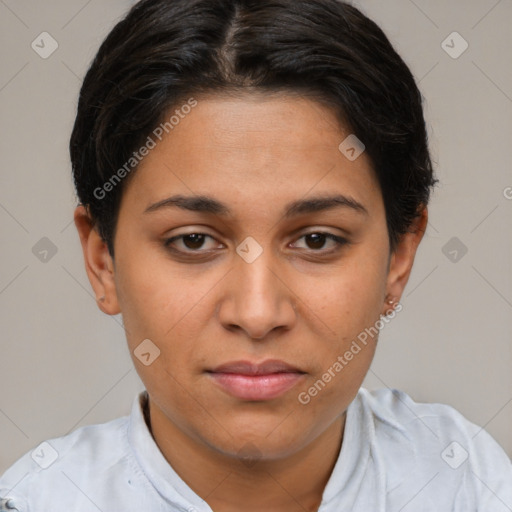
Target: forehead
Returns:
[253, 151]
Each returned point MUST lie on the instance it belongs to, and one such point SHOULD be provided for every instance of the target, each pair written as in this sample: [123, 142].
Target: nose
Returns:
[257, 298]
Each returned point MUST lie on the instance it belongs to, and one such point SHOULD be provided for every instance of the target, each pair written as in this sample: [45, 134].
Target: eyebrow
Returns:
[205, 204]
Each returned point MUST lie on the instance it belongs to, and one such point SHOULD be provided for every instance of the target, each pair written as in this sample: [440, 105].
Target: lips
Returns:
[256, 381]
[267, 367]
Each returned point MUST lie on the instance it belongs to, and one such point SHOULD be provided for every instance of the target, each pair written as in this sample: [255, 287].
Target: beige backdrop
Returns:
[64, 363]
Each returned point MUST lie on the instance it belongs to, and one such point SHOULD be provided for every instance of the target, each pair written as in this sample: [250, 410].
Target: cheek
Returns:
[155, 308]
[351, 299]
[155, 299]
[161, 305]
[346, 308]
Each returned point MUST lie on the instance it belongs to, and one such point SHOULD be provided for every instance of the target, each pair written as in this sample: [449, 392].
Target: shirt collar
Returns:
[358, 451]
[154, 465]
[352, 460]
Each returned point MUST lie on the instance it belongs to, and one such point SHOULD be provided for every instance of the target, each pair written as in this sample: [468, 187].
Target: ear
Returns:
[98, 262]
[402, 258]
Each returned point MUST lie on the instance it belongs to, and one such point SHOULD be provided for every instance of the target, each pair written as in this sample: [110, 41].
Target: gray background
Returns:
[64, 363]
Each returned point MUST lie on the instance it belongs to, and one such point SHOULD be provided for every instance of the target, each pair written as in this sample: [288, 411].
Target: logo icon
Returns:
[454, 455]
[44, 250]
[44, 45]
[249, 249]
[250, 454]
[454, 250]
[352, 147]
[454, 45]
[147, 352]
[44, 455]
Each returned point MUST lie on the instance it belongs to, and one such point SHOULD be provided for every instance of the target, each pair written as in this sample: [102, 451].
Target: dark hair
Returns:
[165, 51]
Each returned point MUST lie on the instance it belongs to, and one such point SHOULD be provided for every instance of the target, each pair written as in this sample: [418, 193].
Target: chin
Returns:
[257, 446]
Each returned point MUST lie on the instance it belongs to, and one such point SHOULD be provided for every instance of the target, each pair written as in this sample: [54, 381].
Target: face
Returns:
[266, 269]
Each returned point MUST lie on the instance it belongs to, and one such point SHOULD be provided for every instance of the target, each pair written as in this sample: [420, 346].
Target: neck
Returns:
[294, 483]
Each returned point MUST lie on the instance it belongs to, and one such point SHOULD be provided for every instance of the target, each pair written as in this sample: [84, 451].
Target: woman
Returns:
[253, 179]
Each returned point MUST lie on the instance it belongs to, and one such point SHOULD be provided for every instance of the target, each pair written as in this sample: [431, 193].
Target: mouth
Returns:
[256, 381]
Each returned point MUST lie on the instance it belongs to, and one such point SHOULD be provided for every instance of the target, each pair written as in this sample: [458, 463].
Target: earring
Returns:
[392, 301]
[101, 299]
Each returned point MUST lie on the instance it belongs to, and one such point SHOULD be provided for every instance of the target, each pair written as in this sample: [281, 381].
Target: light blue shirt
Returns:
[397, 455]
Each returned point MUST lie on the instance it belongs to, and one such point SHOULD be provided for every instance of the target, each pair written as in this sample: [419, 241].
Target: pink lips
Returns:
[251, 381]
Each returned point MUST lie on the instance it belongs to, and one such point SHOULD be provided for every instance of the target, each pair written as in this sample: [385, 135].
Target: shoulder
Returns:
[46, 472]
[425, 422]
[395, 407]
[438, 445]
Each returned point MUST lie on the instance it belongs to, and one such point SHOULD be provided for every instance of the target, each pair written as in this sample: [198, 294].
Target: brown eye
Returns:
[190, 242]
[193, 241]
[316, 241]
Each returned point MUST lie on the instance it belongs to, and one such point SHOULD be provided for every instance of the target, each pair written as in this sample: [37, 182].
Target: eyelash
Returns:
[340, 242]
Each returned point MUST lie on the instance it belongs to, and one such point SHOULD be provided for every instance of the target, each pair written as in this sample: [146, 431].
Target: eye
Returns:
[191, 241]
[316, 241]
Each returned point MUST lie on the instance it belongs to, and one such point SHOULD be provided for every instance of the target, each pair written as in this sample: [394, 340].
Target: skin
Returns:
[294, 302]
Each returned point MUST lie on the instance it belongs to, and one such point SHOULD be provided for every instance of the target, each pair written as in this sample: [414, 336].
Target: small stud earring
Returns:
[392, 299]
[101, 299]
[392, 302]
